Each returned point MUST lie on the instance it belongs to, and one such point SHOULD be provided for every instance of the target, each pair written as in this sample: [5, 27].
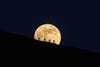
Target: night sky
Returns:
[78, 24]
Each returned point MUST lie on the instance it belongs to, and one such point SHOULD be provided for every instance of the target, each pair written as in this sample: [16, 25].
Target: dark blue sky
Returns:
[76, 22]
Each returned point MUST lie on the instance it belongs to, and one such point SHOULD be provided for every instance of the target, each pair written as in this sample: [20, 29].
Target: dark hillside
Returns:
[9, 40]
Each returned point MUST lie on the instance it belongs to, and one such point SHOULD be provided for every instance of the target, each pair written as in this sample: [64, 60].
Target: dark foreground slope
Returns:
[8, 40]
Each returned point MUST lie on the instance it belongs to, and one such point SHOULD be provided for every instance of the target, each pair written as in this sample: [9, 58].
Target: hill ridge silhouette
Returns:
[11, 40]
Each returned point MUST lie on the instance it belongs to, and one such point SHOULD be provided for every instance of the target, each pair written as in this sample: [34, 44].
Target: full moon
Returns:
[48, 33]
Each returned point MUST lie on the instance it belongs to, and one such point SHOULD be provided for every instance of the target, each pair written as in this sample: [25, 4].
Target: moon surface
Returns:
[48, 33]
